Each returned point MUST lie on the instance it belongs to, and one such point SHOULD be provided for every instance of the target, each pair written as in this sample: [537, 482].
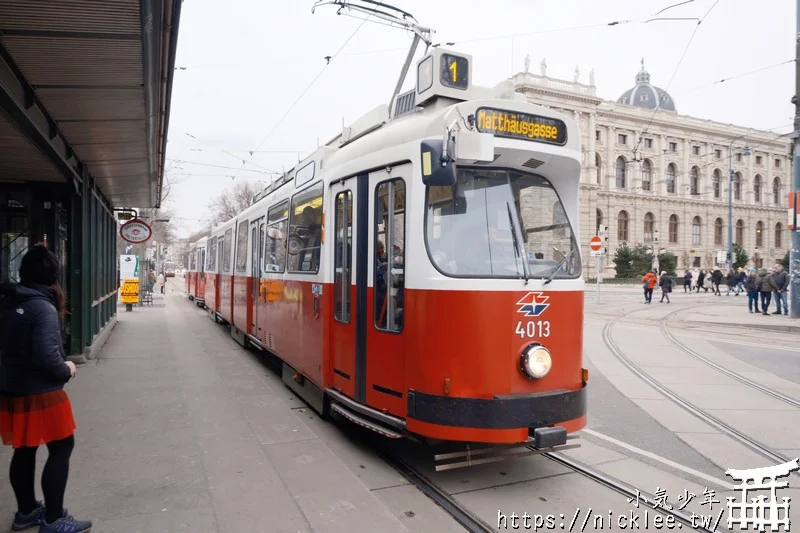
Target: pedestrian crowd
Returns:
[760, 285]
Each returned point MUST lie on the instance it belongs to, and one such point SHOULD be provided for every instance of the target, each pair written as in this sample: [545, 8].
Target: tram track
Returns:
[738, 377]
[711, 420]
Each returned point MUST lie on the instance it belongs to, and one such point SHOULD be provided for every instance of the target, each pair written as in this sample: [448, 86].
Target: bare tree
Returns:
[233, 201]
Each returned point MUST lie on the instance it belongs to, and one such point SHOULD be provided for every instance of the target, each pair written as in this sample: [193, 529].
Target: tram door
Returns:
[256, 260]
[368, 272]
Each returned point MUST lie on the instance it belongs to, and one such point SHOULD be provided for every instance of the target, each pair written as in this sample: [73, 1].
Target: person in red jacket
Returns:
[649, 283]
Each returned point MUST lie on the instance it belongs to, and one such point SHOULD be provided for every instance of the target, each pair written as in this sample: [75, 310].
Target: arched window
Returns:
[621, 171]
[759, 234]
[694, 182]
[696, 227]
[673, 229]
[778, 235]
[559, 217]
[598, 221]
[671, 178]
[715, 181]
[737, 186]
[757, 188]
[718, 231]
[776, 191]
[649, 223]
[647, 175]
[622, 226]
[599, 164]
[739, 232]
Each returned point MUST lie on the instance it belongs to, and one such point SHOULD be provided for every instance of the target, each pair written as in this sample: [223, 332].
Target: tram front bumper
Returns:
[506, 411]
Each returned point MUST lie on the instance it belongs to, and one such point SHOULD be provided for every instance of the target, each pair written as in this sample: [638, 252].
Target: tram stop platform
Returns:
[181, 429]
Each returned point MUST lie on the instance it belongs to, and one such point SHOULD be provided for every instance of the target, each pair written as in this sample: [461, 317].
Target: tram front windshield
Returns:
[500, 224]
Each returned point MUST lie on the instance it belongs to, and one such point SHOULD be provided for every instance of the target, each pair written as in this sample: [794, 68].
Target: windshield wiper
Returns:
[558, 266]
[516, 243]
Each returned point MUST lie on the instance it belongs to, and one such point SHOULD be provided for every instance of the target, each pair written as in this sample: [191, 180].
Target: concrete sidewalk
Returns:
[180, 429]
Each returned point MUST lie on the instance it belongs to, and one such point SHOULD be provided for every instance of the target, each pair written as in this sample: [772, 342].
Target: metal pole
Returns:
[794, 254]
[599, 270]
[729, 259]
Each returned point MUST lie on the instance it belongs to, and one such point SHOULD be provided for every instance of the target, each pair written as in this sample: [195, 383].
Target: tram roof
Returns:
[85, 87]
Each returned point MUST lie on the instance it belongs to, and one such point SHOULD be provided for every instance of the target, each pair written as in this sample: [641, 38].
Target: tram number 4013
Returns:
[533, 328]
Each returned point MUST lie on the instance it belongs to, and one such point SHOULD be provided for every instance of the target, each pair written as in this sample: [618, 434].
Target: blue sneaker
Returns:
[34, 518]
[66, 524]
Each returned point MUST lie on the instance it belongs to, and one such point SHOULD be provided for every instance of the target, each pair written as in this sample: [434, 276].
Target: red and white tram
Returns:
[420, 274]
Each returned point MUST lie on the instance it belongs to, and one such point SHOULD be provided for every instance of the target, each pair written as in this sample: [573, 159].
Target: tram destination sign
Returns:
[135, 231]
[514, 125]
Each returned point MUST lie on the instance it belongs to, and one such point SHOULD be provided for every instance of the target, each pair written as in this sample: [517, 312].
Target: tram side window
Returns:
[191, 262]
[389, 279]
[275, 252]
[241, 246]
[211, 264]
[305, 231]
[226, 251]
[343, 256]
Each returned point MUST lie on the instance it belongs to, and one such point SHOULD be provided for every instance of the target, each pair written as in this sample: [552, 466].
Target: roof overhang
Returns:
[85, 86]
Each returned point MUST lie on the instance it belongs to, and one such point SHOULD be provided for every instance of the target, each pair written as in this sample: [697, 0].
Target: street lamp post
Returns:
[729, 262]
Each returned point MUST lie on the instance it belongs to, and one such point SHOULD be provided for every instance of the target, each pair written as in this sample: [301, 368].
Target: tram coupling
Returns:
[543, 440]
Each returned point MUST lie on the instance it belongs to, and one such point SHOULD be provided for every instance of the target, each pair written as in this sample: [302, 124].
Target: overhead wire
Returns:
[674, 73]
[297, 100]
[723, 80]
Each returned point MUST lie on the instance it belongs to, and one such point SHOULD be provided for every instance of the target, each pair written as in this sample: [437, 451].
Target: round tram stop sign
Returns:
[135, 231]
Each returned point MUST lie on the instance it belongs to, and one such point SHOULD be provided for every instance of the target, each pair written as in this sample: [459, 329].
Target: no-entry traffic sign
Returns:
[595, 243]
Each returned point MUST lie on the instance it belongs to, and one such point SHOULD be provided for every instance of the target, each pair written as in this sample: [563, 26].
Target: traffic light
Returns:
[602, 232]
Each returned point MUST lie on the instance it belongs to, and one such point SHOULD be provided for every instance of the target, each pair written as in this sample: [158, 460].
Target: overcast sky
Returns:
[242, 65]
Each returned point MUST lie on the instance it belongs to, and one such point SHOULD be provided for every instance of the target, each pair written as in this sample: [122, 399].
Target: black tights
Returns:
[54, 477]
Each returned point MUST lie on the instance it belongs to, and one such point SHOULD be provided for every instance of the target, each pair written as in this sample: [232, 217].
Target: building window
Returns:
[673, 147]
[759, 234]
[621, 164]
[757, 188]
[776, 191]
[671, 178]
[777, 163]
[305, 231]
[596, 135]
[739, 158]
[649, 223]
[696, 227]
[599, 167]
[715, 182]
[647, 175]
[648, 143]
[739, 232]
[673, 229]
[622, 139]
[695, 150]
[598, 221]
[778, 235]
[696, 261]
[622, 226]
[718, 231]
[389, 260]
[758, 160]
[695, 181]
[737, 186]
[717, 154]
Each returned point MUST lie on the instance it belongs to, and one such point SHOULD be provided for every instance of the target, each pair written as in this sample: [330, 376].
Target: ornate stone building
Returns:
[660, 178]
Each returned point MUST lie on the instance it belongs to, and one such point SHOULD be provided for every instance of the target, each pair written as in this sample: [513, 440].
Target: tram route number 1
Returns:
[533, 328]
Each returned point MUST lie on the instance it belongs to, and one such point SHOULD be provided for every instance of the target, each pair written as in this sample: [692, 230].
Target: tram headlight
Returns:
[535, 361]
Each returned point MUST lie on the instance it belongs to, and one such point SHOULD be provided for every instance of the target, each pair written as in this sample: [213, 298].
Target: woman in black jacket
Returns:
[34, 409]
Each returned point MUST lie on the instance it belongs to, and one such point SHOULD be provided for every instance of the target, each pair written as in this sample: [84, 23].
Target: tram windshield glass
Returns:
[500, 224]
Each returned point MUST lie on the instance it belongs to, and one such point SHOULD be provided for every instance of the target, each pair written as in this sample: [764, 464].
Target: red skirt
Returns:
[36, 419]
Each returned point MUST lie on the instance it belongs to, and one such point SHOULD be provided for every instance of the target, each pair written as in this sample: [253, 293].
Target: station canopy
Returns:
[85, 86]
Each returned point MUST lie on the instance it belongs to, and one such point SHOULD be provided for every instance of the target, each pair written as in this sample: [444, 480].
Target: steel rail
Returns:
[623, 488]
[753, 444]
[738, 377]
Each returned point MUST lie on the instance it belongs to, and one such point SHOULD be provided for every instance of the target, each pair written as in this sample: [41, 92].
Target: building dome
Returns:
[646, 95]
